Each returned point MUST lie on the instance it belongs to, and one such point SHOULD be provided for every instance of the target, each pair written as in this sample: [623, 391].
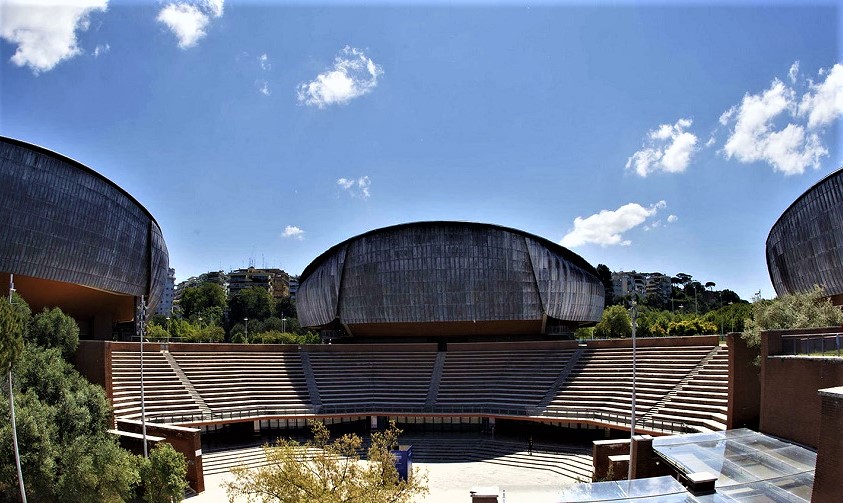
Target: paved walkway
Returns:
[451, 480]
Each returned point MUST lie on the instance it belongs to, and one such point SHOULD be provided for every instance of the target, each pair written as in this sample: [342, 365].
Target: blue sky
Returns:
[649, 137]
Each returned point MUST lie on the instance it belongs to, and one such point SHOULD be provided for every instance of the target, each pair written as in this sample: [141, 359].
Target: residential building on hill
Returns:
[275, 281]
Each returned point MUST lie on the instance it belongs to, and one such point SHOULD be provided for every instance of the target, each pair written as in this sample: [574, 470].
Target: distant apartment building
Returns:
[275, 281]
[625, 283]
[294, 286]
[165, 305]
[218, 277]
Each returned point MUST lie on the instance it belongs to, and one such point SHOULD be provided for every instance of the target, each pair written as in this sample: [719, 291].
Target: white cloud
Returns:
[754, 137]
[672, 219]
[264, 88]
[345, 183]
[44, 30]
[356, 188]
[189, 20]
[711, 141]
[353, 75]
[823, 103]
[291, 231]
[101, 49]
[606, 227]
[793, 72]
[263, 59]
[668, 148]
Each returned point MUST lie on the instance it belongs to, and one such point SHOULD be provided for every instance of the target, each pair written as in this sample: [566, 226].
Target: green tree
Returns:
[95, 469]
[691, 326]
[13, 324]
[328, 471]
[211, 333]
[286, 308]
[62, 422]
[798, 310]
[253, 303]
[604, 274]
[14, 320]
[163, 475]
[196, 300]
[615, 323]
[52, 328]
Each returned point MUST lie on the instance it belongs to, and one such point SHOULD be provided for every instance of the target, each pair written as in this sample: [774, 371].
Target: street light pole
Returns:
[634, 312]
[12, 409]
[142, 320]
[246, 320]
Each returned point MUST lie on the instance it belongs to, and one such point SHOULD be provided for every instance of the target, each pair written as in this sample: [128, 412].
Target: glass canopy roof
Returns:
[749, 466]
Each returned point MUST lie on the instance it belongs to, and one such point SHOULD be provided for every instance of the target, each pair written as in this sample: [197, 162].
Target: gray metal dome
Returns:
[449, 278]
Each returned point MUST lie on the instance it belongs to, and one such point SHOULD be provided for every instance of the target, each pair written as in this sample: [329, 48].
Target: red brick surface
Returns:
[185, 440]
[744, 402]
[828, 477]
[790, 405]
[93, 360]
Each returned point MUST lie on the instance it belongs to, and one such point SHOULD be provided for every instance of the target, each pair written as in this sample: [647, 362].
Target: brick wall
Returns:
[648, 342]
[184, 440]
[790, 405]
[744, 402]
[600, 452]
[829, 471]
[93, 360]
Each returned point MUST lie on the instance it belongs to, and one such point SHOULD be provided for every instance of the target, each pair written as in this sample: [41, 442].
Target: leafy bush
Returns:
[163, 475]
[799, 310]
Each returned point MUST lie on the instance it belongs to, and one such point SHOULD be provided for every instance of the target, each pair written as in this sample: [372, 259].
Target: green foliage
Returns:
[286, 308]
[156, 332]
[238, 334]
[275, 337]
[95, 469]
[692, 326]
[211, 333]
[730, 317]
[13, 324]
[54, 329]
[605, 276]
[328, 471]
[163, 475]
[799, 310]
[615, 323]
[61, 423]
[584, 333]
[253, 303]
[196, 300]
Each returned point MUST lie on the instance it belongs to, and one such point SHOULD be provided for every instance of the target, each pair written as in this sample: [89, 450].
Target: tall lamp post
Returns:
[142, 320]
[12, 409]
[246, 321]
[634, 315]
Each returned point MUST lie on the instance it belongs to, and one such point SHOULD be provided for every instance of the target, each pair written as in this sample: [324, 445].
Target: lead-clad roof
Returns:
[448, 271]
[65, 222]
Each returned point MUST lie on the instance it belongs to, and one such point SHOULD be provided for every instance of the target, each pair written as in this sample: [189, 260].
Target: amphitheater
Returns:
[444, 328]
[461, 333]
[681, 385]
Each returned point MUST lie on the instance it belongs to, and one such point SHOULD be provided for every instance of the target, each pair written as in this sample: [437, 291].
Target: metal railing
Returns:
[608, 418]
[827, 344]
